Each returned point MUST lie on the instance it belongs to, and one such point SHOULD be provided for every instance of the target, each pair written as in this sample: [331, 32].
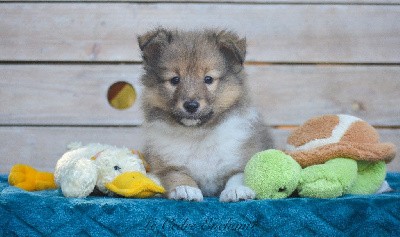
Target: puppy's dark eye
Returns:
[175, 81]
[117, 167]
[208, 80]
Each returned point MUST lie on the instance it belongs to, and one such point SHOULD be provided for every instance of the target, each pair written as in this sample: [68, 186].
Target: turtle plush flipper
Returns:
[328, 180]
[370, 177]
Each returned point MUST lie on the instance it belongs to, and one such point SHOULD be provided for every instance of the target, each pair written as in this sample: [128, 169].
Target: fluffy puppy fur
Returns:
[200, 126]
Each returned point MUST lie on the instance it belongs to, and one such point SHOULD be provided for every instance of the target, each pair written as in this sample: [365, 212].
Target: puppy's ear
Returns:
[152, 43]
[232, 47]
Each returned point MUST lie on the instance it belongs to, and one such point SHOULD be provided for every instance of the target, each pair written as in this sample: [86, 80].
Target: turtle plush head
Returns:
[272, 174]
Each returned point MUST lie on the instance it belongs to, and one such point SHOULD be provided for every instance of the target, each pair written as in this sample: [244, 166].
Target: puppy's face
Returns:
[191, 78]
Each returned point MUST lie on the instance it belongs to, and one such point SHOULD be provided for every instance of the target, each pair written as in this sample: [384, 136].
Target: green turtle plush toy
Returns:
[326, 157]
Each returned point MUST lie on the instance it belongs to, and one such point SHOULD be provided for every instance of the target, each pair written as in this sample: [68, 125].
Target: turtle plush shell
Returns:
[330, 136]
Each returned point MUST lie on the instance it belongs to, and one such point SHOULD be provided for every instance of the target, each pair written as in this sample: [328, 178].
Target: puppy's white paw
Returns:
[235, 194]
[186, 193]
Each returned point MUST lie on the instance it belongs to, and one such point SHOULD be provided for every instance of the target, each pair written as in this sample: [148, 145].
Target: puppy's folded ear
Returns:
[232, 47]
[152, 42]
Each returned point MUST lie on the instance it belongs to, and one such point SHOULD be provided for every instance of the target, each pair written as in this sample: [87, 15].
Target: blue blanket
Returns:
[48, 213]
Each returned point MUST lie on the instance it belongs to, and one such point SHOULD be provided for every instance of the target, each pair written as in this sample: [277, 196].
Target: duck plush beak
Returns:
[135, 185]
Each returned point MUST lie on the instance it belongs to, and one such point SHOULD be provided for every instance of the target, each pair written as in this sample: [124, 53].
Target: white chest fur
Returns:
[207, 155]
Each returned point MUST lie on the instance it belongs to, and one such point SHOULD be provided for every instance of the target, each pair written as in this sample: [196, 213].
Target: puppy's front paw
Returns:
[235, 194]
[186, 193]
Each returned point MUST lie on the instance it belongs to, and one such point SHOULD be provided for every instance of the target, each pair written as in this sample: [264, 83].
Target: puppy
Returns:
[200, 126]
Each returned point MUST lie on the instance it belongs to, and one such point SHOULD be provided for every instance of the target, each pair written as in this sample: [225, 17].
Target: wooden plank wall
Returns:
[305, 58]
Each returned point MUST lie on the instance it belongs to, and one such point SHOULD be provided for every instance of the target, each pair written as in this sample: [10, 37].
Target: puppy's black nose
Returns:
[191, 106]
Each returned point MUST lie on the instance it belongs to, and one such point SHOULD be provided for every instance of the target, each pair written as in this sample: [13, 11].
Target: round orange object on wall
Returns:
[121, 95]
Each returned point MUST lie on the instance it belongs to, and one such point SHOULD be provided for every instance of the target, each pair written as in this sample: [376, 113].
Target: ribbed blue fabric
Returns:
[48, 213]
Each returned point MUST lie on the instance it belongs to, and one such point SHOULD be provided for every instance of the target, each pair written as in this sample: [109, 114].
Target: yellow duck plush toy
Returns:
[112, 170]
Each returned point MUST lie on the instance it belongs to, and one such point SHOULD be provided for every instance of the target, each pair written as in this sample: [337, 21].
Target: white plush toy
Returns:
[111, 169]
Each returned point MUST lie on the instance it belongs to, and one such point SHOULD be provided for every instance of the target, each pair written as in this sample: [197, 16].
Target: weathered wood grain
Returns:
[236, 1]
[275, 32]
[285, 94]
[41, 147]
[65, 94]
[293, 94]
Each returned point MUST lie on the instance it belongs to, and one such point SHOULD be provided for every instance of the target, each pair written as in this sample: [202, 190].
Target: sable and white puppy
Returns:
[200, 126]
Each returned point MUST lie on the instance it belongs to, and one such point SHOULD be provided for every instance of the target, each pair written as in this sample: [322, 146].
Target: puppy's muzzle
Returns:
[191, 106]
